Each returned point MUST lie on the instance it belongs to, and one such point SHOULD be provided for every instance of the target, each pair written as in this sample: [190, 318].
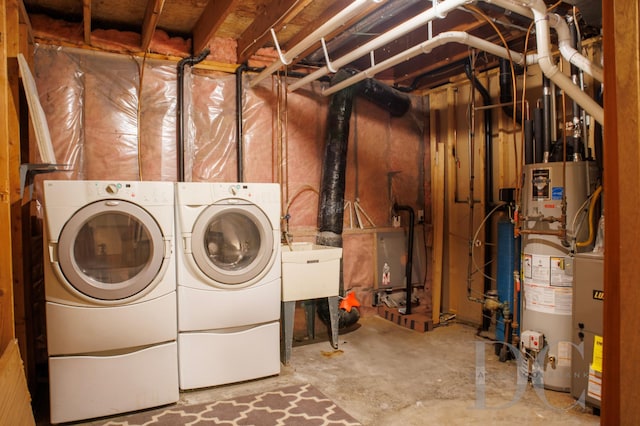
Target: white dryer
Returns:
[229, 272]
[111, 305]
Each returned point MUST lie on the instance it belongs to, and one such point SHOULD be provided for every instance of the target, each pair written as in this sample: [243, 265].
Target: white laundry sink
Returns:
[310, 271]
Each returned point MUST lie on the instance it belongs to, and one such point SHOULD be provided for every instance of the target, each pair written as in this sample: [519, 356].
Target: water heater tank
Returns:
[546, 268]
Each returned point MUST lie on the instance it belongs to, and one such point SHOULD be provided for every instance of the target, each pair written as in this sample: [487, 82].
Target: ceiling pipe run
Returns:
[381, 15]
[426, 47]
[553, 73]
[565, 44]
[543, 57]
[409, 25]
[334, 23]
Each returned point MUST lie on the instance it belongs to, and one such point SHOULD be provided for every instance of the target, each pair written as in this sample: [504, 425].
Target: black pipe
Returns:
[191, 61]
[528, 141]
[506, 90]
[409, 265]
[239, 126]
[598, 136]
[546, 119]
[488, 179]
[538, 131]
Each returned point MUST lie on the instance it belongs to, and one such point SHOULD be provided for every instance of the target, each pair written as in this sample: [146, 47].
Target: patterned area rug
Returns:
[289, 406]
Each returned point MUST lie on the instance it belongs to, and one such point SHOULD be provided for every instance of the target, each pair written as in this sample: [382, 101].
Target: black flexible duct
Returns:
[332, 184]
[409, 265]
[239, 126]
[191, 61]
[385, 97]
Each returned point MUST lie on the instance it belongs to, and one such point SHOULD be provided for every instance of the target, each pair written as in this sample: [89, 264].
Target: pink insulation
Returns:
[107, 127]
[210, 128]
[303, 154]
[110, 117]
[163, 44]
[158, 122]
[61, 90]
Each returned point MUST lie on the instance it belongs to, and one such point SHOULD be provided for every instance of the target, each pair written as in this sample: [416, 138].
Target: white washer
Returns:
[111, 304]
[229, 272]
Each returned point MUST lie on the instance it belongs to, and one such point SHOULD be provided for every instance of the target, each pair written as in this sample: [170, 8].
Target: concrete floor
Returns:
[385, 374]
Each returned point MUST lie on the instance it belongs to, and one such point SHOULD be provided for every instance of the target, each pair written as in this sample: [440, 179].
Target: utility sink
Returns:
[310, 271]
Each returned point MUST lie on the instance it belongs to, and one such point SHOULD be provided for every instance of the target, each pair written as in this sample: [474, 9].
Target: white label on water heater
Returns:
[546, 299]
[536, 267]
[560, 267]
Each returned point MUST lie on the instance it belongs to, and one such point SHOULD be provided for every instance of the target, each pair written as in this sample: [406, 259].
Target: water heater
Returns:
[547, 266]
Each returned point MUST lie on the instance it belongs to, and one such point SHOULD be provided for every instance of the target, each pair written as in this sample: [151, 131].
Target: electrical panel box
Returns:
[588, 297]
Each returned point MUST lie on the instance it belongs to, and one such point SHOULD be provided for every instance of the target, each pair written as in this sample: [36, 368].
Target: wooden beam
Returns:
[86, 21]
[277, 15]
[7, 332]
[12, 19]
[151, 16]
[621, 32]
[211, 19]
[438, 201]
[24, 20]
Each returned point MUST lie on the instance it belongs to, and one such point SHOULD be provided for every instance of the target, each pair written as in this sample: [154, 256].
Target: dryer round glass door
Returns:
[111, 250]
[233, 245]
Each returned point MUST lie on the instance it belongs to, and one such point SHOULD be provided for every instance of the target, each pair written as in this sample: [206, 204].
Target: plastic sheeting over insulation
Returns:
[113, 117]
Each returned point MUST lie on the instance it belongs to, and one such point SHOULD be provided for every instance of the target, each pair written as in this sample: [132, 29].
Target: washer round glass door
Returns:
[232, 244]
[111, 250]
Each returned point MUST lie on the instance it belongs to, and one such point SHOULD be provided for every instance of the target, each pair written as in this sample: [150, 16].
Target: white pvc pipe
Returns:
[545, 61]
[426, 47]
[564, 38]
[417, 21]
[338, 20]
[569, 52]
